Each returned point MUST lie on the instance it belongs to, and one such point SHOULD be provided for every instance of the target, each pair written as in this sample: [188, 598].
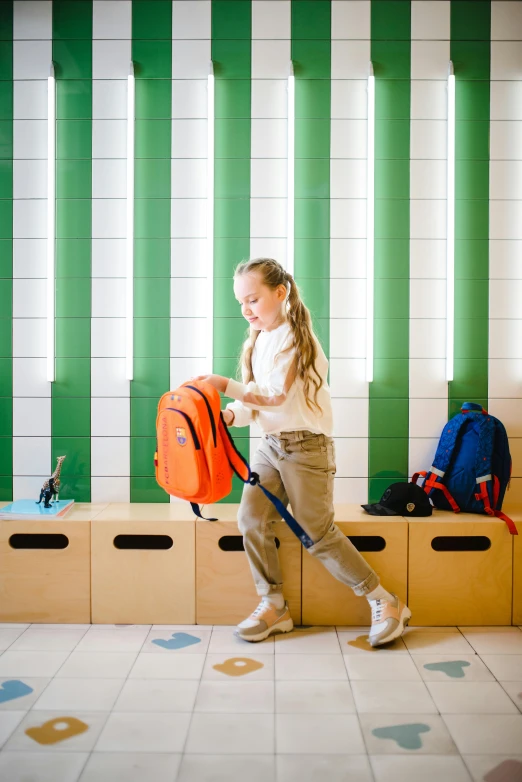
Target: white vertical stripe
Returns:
[191, 32]
[351, 34]
[428, 391]
[271, 52]
[32, 55]
[505, 284]
[110, 395]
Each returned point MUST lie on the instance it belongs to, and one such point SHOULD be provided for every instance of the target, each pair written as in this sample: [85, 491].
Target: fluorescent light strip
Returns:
[210, 217]
[370, 223]
[450, 228]
[290, 230]
[129, 253]
[51, 221]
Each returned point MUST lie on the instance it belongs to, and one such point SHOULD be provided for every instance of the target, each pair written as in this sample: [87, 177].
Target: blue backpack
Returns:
[472, 466]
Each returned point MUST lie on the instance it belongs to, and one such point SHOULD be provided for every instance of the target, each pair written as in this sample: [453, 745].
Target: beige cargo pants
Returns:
[298, 467]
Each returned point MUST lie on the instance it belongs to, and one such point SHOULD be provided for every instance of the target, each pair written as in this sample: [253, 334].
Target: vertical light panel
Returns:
[450, 227]
[51, 219]
[129, 254]
[370, 223]
[290, 229]
[210, 217]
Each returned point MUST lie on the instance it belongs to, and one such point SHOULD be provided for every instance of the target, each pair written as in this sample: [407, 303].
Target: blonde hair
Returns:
[272, 275]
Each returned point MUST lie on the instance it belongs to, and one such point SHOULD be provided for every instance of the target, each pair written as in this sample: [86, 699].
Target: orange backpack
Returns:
[195, 455]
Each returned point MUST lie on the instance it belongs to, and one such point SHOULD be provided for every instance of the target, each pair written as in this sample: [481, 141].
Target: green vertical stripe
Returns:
[389, 392]
[152, 57]
[311, 56]
[231, 55]
[471, 56]
[71, 393]
[6, 251]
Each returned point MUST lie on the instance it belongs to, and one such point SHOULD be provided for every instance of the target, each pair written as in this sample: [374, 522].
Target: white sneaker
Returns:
[389, 619]
[265, 620]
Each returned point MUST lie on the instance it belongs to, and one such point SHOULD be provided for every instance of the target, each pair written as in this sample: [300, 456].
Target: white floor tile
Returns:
[494, 767]
[92, 722]
[451, 667]
[8, 636]
[434, 768]
[317, 640]
[495, 733]
[387, 696]
[15, 664]
[337, 734]
[226, 768]
[97, 665]
[20, 694]
[420, 642]
[514, 690]
[113, 639]
[157, 695]
[460, 697]
[319, 667]
[392, 734]
[155, 666]
[314, 697]
[223, 641]
[231, 734]
[9, 720]
[42, 766]
[390, 668]
[236, 697]
[52, 640]
[72, 695]
[149, 732]
[507, 641]
[334, 768]
[130, 767]
[504, 667]
[245, 667]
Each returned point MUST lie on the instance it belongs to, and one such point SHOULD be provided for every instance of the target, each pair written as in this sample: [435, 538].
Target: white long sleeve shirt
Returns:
[276, 393]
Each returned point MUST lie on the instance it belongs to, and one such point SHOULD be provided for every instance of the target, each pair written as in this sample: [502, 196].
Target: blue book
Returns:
[31, 511]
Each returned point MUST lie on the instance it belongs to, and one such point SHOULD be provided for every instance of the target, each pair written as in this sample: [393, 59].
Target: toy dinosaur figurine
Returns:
[51, 488]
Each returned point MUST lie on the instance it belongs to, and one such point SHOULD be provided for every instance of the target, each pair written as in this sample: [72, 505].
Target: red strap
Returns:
[509, 522]
[496, 490]
[432, 483]
[416, 475]
[484, 496]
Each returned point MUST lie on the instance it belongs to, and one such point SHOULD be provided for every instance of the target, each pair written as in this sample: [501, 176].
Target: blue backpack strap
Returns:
[253, 480]
[446, 445]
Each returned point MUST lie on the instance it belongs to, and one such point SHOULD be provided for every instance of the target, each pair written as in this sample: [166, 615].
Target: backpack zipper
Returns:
[209, 410]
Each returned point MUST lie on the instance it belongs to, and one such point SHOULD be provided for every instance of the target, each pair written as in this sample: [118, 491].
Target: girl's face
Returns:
[262, 306]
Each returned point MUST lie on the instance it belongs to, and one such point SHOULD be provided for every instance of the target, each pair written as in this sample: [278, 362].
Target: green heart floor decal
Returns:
[407, 736]
[452, 668]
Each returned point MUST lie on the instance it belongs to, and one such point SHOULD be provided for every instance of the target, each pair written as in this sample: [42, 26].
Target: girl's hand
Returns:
[228, 417]
[219, 382]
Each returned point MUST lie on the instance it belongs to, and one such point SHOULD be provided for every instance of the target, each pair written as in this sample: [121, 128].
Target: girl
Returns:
[284, 388]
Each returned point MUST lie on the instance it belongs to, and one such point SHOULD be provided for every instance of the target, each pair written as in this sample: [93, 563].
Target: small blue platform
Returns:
[29, 509]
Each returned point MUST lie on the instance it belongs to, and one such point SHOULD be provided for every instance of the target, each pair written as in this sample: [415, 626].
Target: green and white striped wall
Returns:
[384, 431]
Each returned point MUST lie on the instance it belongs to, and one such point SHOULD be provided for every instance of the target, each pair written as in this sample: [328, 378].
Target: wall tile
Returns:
[31, 417]
[110, 417]
[189, 138]
[350, 417]
[31, 455]
[348, 138]
[32, 19]
[109, 99]
[111, 456]
[30, 139]
[269, 20]
[350, 59]
[430, 19]
[111, 19]
[30, 100]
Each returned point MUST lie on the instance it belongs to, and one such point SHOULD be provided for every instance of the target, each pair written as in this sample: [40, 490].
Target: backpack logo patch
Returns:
[181, 435]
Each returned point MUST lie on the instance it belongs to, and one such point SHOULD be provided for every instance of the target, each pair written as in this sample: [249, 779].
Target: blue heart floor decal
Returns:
[407, 736]
[178, 641]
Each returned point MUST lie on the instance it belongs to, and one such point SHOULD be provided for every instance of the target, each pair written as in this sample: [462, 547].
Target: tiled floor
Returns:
[194, 704]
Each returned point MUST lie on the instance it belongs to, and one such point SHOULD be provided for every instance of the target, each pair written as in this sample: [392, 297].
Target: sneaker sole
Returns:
[405, 618]
[281, 627]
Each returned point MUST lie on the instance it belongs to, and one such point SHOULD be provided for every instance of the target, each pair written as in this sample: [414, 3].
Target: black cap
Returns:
[401, 499]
